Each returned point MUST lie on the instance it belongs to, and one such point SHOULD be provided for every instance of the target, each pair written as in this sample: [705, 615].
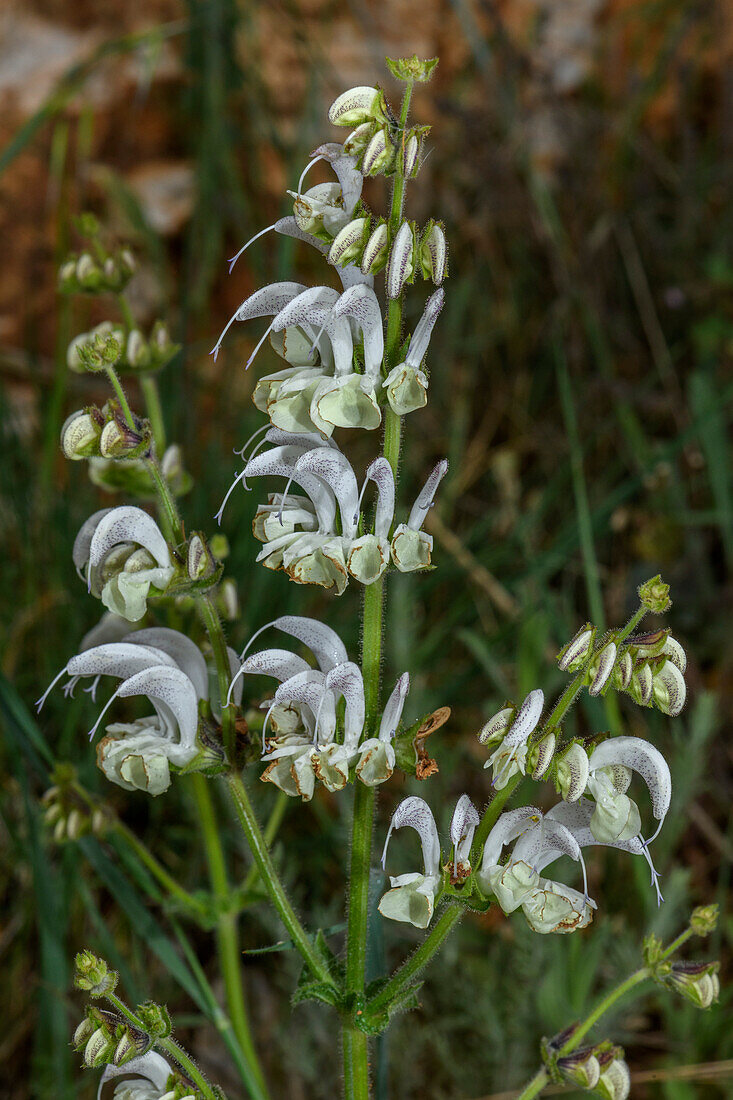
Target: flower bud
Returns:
[355, 106]
[358, 139]
[374, 256]
[137, 352]
[615, 1080]
[130, 1045]
[642, 683]
[155, 1019]
[201, 563]
[409, 155]
[496, 726]
[654, 595]
[580, 1068]
[83, 1033]
[571, 771]
[119, 440]
[80, 435]
[623, 671]
[704, 919]
[401, 264]
[602, 669]
[698, 983]
[433, 253]
[572, 656]
[379, 154]
[348, 244]
[93, 975]
[87, 273]
[412, 68]
[100, 1048]
[541, 754]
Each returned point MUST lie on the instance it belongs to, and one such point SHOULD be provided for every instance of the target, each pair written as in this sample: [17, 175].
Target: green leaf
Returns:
[313, 990]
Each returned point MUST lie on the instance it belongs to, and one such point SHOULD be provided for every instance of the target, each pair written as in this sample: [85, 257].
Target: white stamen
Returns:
[104, 710]
[49, 689]
[230, 490]
[305, 172]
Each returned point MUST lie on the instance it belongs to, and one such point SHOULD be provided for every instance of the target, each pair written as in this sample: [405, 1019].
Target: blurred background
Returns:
[581, 158]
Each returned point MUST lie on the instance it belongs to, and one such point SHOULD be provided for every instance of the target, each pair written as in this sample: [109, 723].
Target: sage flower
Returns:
[509, 730]
[412, 897]
[616, 816]
[548, 906]
[169, 669]
[406, 384]
[146, 1078]
[124, 558]
[300, 534]
[412, 548]
[307, 742]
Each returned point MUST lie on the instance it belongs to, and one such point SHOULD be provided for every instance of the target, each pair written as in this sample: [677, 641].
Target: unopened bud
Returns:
[496, 726]
[704, 919]
[401, 264]
[602, 669]
[80, 436]
[100, 1048]
[433, 253]
[654, 595]
[412, 68]
[92, 974]
[88, 274]
[137, 352]
[615, 1079]
[355, 106]
[119, 440]
[348, 244]
[572, 656]
[572, 771]
[541, 754]
[200, 561]
[155, 1019]
[410, 154]
[581, 1068]
[379, 154]
[698, 983]
[83, 1033]
[624, 670]
[374, 256]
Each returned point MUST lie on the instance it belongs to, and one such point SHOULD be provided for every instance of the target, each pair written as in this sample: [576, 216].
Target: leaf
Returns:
[312, 990]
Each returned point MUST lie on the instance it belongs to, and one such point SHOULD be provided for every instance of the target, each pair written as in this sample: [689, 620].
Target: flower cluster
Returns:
[307, 741]
[318, 538]
[169, 670]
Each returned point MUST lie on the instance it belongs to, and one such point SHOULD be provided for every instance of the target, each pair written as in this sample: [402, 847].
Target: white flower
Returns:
[124, 558]
[300, 534]
[616, 816]
[412, 896]
[510, 756]
[145, 1078]
[412, 547]
[170, 670]
[406, 383]
[539, 840]
[308, 744]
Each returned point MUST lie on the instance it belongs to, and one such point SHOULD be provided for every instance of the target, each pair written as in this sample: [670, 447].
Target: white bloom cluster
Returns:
[316, 538]
[307, 741]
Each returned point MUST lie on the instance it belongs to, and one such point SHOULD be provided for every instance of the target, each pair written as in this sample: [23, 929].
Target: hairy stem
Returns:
[227, 935]
[120, 395]
[154, 409]
[214, 629]
[420, 958]
[271, 880]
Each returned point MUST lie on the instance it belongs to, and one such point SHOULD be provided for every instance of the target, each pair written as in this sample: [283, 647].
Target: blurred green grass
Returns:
[581, 387]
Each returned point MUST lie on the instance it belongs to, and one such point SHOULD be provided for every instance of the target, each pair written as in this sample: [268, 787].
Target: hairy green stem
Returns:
[116, 385]
[271, 880]
[420, 958]
[491, 814]
[227, 935]
[189, 1067]
[355, 1044]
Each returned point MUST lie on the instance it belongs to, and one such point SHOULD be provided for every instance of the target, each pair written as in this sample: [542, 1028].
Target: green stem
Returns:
[355, 1043]
[210, 617]
[420, 958]
[154, 409]
[171, 1047]
[120, 394]
[226, 931]
[491, 814]
[126, 311]
[270, 878]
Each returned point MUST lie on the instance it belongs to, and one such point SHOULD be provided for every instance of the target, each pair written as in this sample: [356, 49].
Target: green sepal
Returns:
[375, 1023]
[412, 68]
[311, 989]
